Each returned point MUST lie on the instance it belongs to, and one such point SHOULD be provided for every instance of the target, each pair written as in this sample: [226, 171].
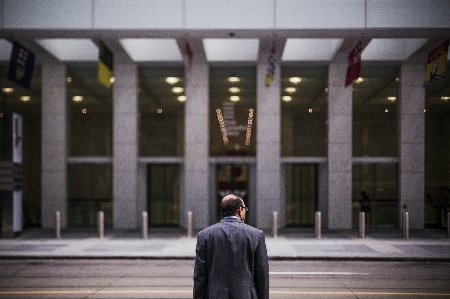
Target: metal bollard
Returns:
[448, 225]
[190, 224]
[58, 225]
[101, 224]
[275, 224]
[405, 225]
[362, 225]
[144, 225]
[318, 225]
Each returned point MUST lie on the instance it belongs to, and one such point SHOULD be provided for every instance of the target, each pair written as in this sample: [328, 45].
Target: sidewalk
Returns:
[379, 244]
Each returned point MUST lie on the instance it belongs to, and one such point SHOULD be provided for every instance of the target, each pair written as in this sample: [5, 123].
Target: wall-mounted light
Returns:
[77, 99]
[295, 80]
[25, 98]
[392, 99]
[359, 80]
[286, 98]
[445, 98]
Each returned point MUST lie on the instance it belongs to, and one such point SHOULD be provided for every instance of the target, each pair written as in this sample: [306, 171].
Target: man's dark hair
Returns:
[230, 204]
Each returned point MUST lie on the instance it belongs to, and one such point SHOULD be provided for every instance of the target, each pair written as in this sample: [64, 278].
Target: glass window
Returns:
[304, 111]
[375, 112]
[232, 93]
[437, 150]
[161, 111]
[27, 102]
[90, 106]
[90, 191]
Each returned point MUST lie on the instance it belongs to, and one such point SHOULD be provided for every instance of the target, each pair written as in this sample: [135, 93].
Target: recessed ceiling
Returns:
[70, 49]
[231, 49]
[389, 49]
[310, 49]
[152, 49]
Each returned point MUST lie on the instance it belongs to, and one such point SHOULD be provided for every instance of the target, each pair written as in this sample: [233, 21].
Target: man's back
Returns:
[231, 262]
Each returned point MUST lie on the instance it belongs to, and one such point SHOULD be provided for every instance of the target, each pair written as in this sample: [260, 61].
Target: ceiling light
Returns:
[112, 80]
[177, 90]
[235, 98]
[25, 98]
[172, 80]
[77, 99]
[69, 79]
[359, 80]
[181, 98]
[8, 90]
[290, 89]
[286, 98]
[234, 79]
[445, 98]
[234, 89]
[310, 110]
[295, 80]
[159, 110]
[392, 99]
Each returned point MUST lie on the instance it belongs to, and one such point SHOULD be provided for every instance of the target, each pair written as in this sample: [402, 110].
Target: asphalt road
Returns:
[173, 279]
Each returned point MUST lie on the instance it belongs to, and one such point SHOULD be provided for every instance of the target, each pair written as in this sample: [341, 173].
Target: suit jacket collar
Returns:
[231, 220]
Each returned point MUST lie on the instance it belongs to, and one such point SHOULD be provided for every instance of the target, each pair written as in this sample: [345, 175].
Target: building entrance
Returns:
[375, 192]
[163, 197]
[301, 187]
[232, 178]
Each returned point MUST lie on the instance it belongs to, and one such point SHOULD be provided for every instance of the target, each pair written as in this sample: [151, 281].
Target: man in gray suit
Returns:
[231, 257]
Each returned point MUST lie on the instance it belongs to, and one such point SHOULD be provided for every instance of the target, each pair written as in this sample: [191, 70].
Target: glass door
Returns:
[163, 195]
[301, 194]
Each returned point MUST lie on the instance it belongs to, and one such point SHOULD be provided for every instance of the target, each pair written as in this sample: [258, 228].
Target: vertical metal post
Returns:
[144, 225]
[448, 225]
[318, 225]
[405, 225]
[58, 224]
[101, 224]
[275, 224]
[362, 225]
[190, 224]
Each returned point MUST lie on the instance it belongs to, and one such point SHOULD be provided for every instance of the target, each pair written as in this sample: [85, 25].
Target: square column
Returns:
[54, 144]
[412, 144]
[125, 146]
[196, 148]
[339, 148]
[268, 138]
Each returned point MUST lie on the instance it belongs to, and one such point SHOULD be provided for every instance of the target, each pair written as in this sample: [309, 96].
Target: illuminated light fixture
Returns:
[77, 99]
[290, 89]
[286, 98]
[310, 110]
[112, 80]
[445, 98]
[392, 99]
[326, 89]
[84, 111]
[223, 130]
[295, 80]
[234, 79]
[234, 89]
[397, 79]
[69, 79]
[25, 98]
[249, 126]
[181, 98]
[235, 98]
[177, 90]
[386, 110]
[8, 90]
[159, 110]
[172, 80]
[359, 80]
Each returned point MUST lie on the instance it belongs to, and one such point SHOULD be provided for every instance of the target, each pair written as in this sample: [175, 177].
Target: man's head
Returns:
[233, 205]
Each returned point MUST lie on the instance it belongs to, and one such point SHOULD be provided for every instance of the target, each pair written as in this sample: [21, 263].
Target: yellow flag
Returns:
[105, 66]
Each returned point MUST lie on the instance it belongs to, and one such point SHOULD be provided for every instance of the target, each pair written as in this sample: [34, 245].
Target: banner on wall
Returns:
[437, 64]
[354, 64]
[105, 65]
[21, 65]
[271, 67]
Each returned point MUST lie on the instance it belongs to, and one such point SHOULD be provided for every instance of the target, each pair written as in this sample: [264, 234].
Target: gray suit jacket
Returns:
[231, 262]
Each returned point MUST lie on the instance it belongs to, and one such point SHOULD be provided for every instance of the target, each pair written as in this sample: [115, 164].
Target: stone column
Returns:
[54, 144]
[339, 148]
[125, 146]
[268, 139]
[196, 147]
[412, 144]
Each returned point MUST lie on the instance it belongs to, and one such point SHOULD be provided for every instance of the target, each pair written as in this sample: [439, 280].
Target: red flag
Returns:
[189, 56]
[354, 64]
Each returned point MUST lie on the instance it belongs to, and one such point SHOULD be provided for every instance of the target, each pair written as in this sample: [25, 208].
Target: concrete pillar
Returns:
[54, 144]
[412, 143]
[339, 148]
[125, 146]
[196, 148]
[268, 139]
